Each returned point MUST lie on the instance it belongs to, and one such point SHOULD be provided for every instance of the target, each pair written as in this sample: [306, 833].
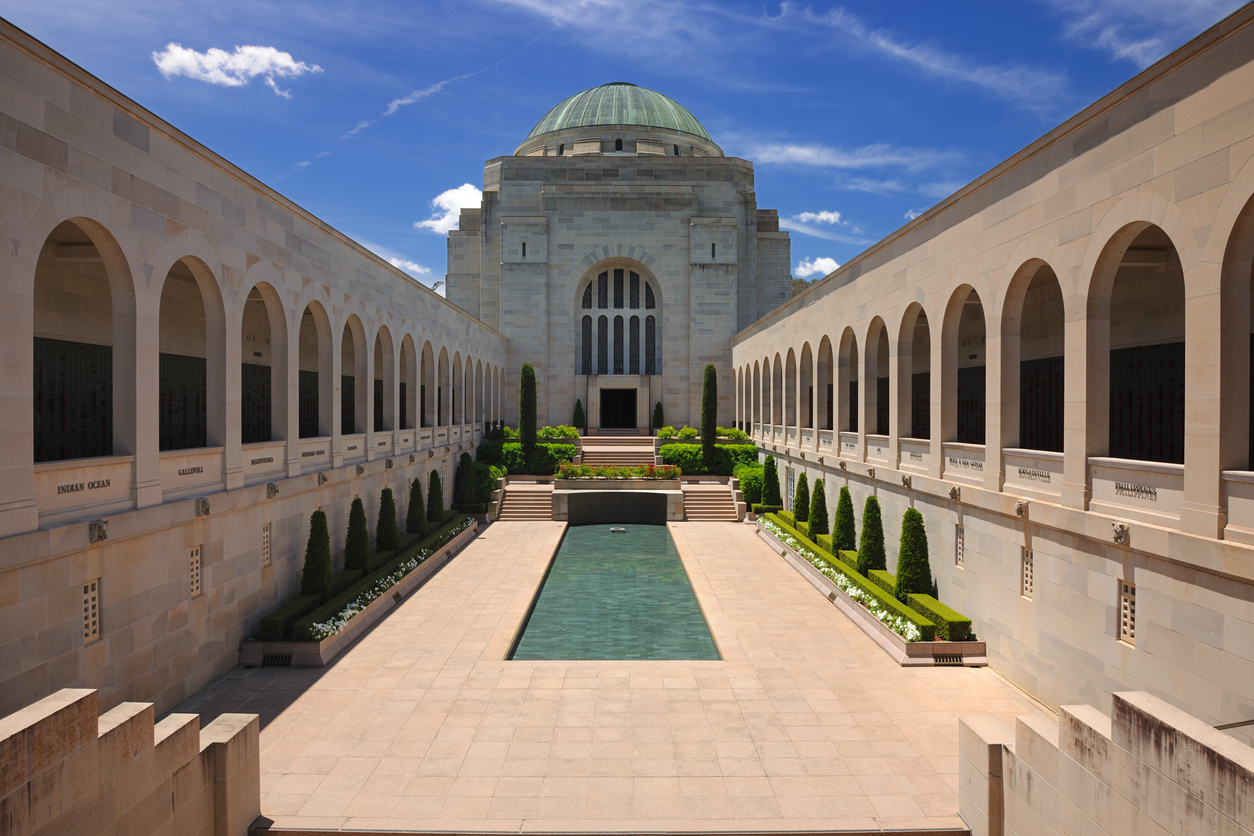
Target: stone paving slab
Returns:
[805, 725]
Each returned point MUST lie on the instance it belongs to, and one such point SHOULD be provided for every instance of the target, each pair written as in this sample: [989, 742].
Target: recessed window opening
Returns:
[959, 550]
[256, 375]
[524, 252]
[971, 372]
[91, 611]
[618, 145]
[561, 149]
[676, 150]
[194, 571]
[1025, 585]
[1127, 612]
[265, 544]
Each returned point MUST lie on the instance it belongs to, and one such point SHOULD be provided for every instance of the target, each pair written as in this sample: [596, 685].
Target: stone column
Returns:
[18, 511]
[337, 399]
[232, 465]
[937, 399]
[285, 361]
[996, 433]
[1086, 390]
[1216, 329]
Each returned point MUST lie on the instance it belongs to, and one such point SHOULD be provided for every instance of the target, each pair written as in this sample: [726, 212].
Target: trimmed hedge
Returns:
[762, 508]
[884, 579]
[471, 507]
[818, 509]
[343, 581]
[726, 458]
[301, 628]
[801, 499]
[508, 454]
[279, 623]
[951, 625]
[484, 483]
[770, 483]
[788, 517]
[750, 477]
[927, 629]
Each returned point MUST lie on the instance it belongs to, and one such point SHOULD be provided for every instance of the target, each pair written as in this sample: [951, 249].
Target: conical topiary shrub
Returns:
[659, 419]
[435, 499]
[818, 510]
[416, 513]
[709, 415]
[315, 578]
[578, 421]
[914, 573]
[801, 500]
[846, 539]
[527, 414]
[387, 536]
[464, 481]
[871, 546]
[357, 543]
[770, 484]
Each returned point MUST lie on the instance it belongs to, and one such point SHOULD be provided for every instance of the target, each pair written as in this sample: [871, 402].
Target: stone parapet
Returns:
[66, 769]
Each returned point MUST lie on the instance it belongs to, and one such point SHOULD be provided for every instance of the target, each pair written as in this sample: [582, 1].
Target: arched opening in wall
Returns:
[825, 386]
[481, 396]
[777, 392]
[603, 344]
[315, 398]
[261, 377]
[1039, 324]
[74, 339]
[384, 375]
[790, 389]
[807, 387]
[353, 378]
[182, 377]
[409, 383]
[442, 390]
[878, 399]
[613, 343]
[964, 326]
[426, 387]
[468, 392]
[585, 344]
[455, 391]
[1147, 352]
[916, 368]
[756, 393]
[847, 372]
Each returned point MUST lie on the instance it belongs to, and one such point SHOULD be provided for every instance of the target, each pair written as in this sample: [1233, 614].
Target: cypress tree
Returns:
[416, 513]
[357, 543]
[914, 573]
[801, 500]
[527, 413]
[871, 547]
[579, 422]
[435, 499]
[464, 481]
[846, 539]
[659, 420]
[315, 578]
[818, 510]
[709, 415]
[387, 536]
[770, 484]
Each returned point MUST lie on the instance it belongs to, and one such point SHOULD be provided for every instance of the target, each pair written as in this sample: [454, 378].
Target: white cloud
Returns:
[448, 206]
[816, 267]
[820, 217]
[868, 156]
[1138, 31]
[232, 69]
[911, 214]
[409, 266]
[417, 95]
[820, 225]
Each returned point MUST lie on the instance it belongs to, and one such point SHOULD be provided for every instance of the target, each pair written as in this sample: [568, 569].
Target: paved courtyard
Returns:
[805, 725]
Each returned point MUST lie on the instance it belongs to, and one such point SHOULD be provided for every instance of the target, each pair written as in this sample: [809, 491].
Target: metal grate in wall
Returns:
[1025, 583]
[91, 611]
[194, 571]
[265, 544]
[1127, 612]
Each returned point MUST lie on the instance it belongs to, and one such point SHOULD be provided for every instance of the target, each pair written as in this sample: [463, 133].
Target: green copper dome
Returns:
[619, 103]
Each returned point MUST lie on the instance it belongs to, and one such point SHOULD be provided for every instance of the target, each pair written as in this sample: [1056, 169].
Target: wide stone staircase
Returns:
[708, 502]
[527, 502]
[617, 450]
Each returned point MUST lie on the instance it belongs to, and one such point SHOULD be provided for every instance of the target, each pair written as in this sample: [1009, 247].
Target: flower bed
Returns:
[579, 471]
[900, 625]
[318, 631]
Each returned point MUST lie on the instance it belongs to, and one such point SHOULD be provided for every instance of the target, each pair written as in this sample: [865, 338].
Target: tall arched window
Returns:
[618, 345]
[618, 288]
[585, 354]
[603, 290]
[649, 302]
[587, 297]
[633, 343]
[618, 145]
[603, 344]
[676, 150]
[561, 149]
[634, 297]
[650, 345]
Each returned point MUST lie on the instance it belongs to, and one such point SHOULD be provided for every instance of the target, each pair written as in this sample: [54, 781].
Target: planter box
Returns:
[253, 653]
[616, 484]
[970, 654]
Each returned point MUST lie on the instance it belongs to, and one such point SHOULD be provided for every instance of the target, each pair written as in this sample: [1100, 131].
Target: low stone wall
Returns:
[1148, 768]
[66, 769]
[591, 507]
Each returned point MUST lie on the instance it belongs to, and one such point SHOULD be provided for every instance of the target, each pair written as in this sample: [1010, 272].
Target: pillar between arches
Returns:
[1213, 338]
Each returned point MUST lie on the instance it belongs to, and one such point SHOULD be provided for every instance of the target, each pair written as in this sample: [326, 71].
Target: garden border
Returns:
[972, 654]
[254, 653]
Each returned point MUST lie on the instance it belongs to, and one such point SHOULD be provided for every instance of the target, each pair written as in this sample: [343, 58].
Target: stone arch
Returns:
[914, 373]
[353, 374]
[847, 382]
[210, 391]
[964, 370]
[825, 385]
[263, 395]
[407, 389]
[384, 382]
[443, 397]
[1033, 375]
[597, 331]
[805, 383]
[877, 400]
[790, 389]
[315, 364]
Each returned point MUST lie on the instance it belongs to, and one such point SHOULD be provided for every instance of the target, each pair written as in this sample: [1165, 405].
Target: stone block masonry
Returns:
[66, 769]
[1147, 768]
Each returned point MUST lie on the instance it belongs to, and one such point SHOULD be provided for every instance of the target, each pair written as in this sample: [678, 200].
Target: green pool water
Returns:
[616, 596]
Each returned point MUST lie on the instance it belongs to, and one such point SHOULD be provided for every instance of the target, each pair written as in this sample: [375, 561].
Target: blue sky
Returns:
[378, 116]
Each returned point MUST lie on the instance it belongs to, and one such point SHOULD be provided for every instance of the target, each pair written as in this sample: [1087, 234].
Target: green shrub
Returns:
[665, 432]
[883, 579]
[770, 483]
[527, 410]
[686, 433]
[846, 537]
[470, 508]
[927, 628]
[801, 499]
[818, 511]
[914, 573]
[544, 460]
[578, 418]
[824, 541]
[658, 418]
[560, 431]
[804, 528]
[344, 580]
[709, 414]
[951, 625]
[691, 460]
[435, 498]
[387, 535]
[789, 518]
[277, 626]
[762, 508]
[871, 545]
[416, 513]
[732, 434]
[497, 473]
[464, 480]
[750, 477]
[357, 541]
[315, 578]
[484, 483]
